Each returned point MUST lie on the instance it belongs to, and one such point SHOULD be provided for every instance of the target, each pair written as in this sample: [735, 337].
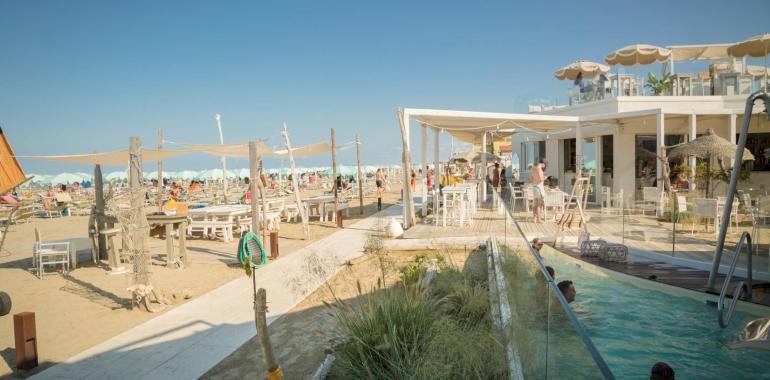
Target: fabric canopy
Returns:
[229, 150]
[698, 52]
[112, 158]
[637, 54]
[307, 150]
[586, 68]
[757, 46]
[11, 174]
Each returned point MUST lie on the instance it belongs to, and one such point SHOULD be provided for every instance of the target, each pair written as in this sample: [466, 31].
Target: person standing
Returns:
[537, 177]
[379, 180]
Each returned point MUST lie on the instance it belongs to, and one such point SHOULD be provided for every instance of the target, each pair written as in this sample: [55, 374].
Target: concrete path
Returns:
[189, 340]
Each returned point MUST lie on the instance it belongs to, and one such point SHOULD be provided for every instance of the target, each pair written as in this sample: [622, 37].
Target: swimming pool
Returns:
[635, 323]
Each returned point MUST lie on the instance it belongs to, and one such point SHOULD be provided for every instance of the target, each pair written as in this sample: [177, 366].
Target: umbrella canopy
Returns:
[757, 46]
[586, 68]
[116, 176]
[214, 174]
[707, 146]
[66, 178]
[638, 54]
[477, 157]
[42, 179]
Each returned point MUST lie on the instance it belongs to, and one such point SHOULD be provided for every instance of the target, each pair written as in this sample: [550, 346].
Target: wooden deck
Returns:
[638, 232]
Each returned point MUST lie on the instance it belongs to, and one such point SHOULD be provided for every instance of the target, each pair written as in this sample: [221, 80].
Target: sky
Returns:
[82, 76]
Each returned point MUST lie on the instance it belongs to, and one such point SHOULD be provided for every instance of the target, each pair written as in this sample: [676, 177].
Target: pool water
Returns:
[633, 327]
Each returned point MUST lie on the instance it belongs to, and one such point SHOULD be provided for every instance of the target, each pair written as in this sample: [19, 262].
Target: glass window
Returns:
[607, 147]
[758, 144]
[569, 155]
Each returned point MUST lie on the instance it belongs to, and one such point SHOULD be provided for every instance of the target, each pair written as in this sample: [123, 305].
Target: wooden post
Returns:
[360, 177]
[254, 177]
[260, 312]
[160, 170]
[135, 185]
[295, 183]
[218, 117]
[334, 178]
[25, 336]
[99, 210]
[263, 217]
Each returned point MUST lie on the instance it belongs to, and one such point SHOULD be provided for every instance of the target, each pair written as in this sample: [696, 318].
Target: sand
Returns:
[88, 306]
[301, 337]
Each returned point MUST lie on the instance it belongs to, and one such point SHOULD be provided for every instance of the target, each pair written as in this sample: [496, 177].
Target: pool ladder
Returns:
[741, 287]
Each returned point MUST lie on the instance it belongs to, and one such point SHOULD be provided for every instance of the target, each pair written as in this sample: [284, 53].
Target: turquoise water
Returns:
[634, 327]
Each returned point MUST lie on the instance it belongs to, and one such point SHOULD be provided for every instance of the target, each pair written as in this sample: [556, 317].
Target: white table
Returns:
[463, 194]
[321, 202]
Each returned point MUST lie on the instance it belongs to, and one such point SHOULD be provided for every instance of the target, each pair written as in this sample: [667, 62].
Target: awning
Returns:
[11, 174]
[469, 126]
[698, 52]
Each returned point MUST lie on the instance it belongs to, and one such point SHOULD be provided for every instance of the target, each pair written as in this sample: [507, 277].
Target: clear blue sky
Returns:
[79, 76]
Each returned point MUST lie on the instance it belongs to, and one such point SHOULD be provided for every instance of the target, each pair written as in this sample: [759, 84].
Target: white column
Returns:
[731, 131]
[483, 170]
[693, 132]
[423, 164]
[660, 135]
[436, 172]
[405, 172]
[599, 168]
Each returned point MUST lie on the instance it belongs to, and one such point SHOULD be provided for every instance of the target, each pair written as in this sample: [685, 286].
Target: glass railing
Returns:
[550, 340]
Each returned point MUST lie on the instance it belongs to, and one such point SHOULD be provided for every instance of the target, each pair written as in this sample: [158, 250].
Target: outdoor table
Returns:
[463, 192]
[321, 201]
[172, 222]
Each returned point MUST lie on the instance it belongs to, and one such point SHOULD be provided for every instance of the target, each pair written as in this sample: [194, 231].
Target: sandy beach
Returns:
[87, 306]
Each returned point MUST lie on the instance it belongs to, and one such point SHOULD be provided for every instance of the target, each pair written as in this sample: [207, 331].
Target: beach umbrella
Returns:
[478, 156]
[709, 146]
[85, 176]
[187, 174]
[66, 178]
[757, 46]
[639, 54]
[243, 173]
[116, 176]
[151, 175]
[585, 68]
[41, 179]
[213, 174]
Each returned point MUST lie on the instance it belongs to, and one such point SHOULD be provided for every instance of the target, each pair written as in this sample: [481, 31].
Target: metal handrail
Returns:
[739, 288]
[581, 331]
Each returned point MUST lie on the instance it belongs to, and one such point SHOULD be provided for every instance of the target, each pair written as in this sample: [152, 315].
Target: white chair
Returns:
[722, 203]
[705, 209]
[49, 253]
[554, 200]
[517, 195]
[650, 199]
[681, 207]
[291, 212]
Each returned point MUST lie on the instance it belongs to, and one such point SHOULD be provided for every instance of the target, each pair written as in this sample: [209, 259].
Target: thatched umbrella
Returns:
[709, 146]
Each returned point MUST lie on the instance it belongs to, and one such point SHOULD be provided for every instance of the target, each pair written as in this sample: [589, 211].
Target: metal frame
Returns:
[724, 321]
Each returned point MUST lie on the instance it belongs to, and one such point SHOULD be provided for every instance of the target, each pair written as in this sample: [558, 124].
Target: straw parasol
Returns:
[757, 46]
[637, 54]
[586, 68]
[709, 146]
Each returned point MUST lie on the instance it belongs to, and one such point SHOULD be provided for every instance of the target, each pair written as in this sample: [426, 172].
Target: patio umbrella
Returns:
[708, 146]
[638, 54]
[477, 157]
[66, 178]
[584, 68]
[757, 46]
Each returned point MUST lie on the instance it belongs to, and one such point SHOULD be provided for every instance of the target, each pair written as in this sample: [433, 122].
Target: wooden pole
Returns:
[135, 186]
[99, 211]
[360, 176]
[260, 312]
[334, 177]
[294, 181]
[253, 176]
[263, 217]
[160, 170]
[218, 117]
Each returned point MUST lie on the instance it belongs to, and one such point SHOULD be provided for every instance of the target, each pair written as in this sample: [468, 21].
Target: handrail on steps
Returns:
[739, 288]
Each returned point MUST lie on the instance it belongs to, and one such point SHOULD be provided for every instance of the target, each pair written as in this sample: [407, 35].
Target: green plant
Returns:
[658, 85]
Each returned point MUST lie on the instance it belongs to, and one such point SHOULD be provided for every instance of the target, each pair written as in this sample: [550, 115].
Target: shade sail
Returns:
[112, 158]
[698, 52]
[304, 151]
[637, 54]
[757, 46]
[586, 68]
[11, 174]
[229, 150]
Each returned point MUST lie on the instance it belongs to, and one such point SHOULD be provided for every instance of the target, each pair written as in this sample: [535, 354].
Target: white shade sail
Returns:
[698, 52]
[111, 158]
[638, 54]
[586, 68]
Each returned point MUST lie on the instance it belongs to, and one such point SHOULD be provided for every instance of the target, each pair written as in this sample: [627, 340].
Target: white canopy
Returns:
[698, 52]
[469, 126]
[111, 158]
